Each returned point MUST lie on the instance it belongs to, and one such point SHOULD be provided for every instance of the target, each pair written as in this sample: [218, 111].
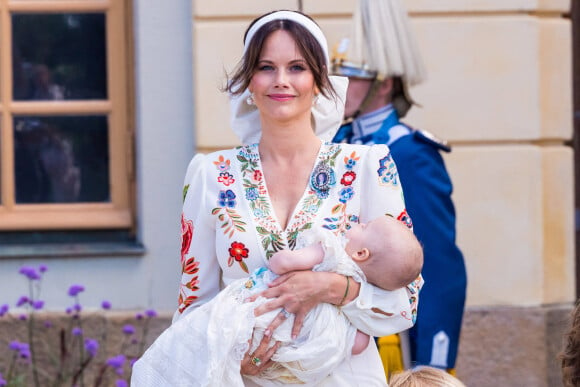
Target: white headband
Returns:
[296, 17]
[326, 112]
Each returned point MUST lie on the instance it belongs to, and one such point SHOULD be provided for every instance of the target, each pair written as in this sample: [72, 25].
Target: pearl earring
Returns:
[250, 100]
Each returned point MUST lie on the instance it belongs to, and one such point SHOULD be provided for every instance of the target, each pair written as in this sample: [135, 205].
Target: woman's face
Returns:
[283, 84]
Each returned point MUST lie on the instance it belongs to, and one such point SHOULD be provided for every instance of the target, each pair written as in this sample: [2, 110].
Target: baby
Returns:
[212, 339]
[377, 247]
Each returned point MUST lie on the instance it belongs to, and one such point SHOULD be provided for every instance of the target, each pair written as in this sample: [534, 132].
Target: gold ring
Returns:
[256, 361]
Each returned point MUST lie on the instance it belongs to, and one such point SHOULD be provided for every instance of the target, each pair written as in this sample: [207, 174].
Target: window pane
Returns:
[59, 56]
[61, 159]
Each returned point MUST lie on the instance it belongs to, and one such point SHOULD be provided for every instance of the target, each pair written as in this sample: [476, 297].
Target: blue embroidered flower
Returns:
[350, 163]
[227, 198]
[252, 193]
[258, 213]
[346, 194]
[353, 218]
[388, 171]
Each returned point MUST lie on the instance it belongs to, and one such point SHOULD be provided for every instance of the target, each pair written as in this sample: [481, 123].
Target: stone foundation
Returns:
[510, 346]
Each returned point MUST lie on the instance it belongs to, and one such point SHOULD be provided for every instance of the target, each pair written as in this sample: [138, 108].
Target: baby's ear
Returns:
[361, 255]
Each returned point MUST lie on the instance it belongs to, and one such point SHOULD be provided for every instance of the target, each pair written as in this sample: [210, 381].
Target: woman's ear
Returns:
[361, 255]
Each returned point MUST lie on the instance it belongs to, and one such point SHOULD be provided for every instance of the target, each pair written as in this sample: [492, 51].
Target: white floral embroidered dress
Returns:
[229, 229]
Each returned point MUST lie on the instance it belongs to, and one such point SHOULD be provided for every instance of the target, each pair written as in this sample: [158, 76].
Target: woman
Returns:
[244, 204]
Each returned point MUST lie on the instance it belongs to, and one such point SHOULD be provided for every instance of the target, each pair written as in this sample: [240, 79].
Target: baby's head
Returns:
[386, 251]
[424, 376]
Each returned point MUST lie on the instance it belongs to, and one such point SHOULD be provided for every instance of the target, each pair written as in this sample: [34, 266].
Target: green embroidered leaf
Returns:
[337, 208]
[185, 189]
[262, 230]
[244, 266]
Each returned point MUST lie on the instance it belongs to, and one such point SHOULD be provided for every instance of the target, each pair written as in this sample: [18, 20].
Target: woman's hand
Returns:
[298, 292]
[257, 361]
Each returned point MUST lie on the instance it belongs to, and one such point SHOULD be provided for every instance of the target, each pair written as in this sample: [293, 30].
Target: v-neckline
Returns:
[305, 193]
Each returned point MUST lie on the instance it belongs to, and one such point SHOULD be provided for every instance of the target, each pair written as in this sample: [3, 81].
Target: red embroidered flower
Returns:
[226, 178]
[257, 176]
[186, 235]
[348, 178]
[238, 251]
[405, 218]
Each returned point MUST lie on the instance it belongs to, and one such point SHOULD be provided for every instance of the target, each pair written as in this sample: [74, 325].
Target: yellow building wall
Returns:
[499, 89]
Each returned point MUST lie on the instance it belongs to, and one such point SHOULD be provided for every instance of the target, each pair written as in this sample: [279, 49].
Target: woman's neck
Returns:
[288, 142]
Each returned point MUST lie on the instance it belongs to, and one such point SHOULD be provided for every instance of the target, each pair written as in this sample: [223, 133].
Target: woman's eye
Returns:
[265, 68]
[297, 68]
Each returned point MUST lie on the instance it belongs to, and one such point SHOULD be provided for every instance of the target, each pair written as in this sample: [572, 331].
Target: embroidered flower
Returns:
[258, 213]
[387, 171]
[405, 218]
[346, 194]
[226, 178]
[257, 176]
[186, 236]
[222, 164]
[227, 198]
[238, 252]
[350, 161]
[251, 193]
[348, 178]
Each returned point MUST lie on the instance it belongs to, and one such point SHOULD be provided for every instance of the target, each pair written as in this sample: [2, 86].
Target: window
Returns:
[66, 158]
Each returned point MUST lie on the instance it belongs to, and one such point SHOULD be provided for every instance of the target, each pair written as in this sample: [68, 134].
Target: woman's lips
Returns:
[281, 97]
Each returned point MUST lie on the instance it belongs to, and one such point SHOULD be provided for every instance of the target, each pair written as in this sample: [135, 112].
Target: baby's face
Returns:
[359, 233]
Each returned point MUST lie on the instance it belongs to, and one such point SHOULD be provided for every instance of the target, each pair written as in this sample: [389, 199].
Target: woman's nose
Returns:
[281, 79]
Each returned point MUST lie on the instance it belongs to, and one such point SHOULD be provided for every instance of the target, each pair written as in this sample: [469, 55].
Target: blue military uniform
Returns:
[427, 187]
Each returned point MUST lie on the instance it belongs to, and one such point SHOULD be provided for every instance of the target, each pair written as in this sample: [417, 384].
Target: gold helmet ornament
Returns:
[381, 46]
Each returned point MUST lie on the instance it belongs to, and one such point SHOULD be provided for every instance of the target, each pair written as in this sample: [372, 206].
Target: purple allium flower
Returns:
[76, 331]
[139, 316]
[24, 351]
[14, 345]
[42, 268]
[92, 346]
[3, 310]
[22, 300]
[116, 361]
[48, 324]
[75, 290]
[77, 307]
[133, 361]
[29, 272]
[3, 381]
[121, 383]
[106, 305]
[22, 348]
[128, 329]
[150, 313]
[38, 304]
[22, 317]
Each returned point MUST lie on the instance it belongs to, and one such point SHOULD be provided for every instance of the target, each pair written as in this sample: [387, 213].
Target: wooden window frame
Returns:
[119, 212]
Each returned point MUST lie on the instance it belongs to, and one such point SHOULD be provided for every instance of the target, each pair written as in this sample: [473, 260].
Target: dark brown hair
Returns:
[307, 44]
[570, 355]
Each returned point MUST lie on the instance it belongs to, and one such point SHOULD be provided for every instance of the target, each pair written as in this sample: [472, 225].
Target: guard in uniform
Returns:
[381, 60]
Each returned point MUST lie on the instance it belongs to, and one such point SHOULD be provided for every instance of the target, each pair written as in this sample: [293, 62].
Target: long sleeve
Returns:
[375, 311]
[200, 278]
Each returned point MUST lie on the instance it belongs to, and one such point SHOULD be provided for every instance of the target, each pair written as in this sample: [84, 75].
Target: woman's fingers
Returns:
[297, 326]
[255, 362]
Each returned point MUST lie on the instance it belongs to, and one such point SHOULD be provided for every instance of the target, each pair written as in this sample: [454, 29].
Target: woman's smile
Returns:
[281, 97]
